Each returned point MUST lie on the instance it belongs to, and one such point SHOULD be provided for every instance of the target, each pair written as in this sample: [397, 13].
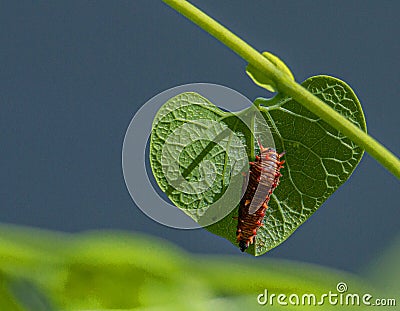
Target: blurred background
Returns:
[73, 74]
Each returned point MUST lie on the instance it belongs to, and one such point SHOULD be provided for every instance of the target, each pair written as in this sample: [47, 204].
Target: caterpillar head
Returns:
[243, 245]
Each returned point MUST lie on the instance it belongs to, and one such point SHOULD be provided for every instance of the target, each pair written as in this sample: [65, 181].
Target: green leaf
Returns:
[318, 158]
[195, 149]
[261, 79]
[7, 300]
[108, 270]
[384, 270]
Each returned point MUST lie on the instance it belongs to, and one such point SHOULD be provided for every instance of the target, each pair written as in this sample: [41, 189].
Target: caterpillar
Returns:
[263, 178]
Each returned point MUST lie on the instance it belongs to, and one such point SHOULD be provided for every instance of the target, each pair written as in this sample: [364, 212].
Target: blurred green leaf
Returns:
[116, 270]
[384, 270]
[29, 295]
[7, 300]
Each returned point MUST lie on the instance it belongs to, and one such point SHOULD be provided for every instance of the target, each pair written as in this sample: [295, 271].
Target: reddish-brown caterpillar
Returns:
[263, 178]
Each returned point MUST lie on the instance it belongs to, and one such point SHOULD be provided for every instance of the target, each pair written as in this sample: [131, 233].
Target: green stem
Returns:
[287, 86]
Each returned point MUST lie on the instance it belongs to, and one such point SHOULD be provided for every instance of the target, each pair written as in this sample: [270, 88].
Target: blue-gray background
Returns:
[73, 73]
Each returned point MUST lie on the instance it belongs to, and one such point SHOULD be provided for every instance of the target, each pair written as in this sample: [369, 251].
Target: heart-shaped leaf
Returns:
[206, 139]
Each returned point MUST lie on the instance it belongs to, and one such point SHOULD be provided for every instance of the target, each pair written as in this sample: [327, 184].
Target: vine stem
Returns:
[287, 86]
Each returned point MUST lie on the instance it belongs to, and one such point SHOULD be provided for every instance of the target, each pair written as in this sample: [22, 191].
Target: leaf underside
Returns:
[318, 158]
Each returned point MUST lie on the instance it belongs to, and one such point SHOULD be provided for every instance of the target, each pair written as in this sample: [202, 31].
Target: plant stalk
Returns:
[287, 86]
